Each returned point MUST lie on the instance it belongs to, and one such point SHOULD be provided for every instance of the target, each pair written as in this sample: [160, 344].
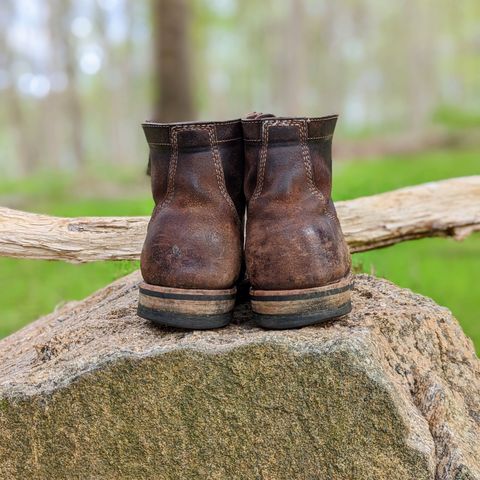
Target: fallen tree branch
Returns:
[447, 208]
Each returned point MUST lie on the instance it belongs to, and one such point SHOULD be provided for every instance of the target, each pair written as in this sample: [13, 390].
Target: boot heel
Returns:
[186, 308]
[281, 309]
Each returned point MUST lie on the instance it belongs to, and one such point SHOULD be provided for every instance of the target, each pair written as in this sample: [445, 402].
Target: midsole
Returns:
[187, 301]
[300, 319]
[285, 302]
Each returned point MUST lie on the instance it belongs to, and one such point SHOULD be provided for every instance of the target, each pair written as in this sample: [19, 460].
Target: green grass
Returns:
[30, 288]
[442, 269]
[33, 288]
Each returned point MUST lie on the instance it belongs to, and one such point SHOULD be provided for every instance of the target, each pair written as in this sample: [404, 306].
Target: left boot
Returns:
[192, 256]
[298, 262]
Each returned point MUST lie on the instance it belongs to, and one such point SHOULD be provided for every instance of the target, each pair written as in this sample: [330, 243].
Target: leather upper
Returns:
[195, 235]
[293, 238]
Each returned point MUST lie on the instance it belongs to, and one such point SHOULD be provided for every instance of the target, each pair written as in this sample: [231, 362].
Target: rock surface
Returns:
[392, 391]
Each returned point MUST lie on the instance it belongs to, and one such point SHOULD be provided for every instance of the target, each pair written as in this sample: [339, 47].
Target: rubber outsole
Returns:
[283, 309]
[284, 322]
[184, 321]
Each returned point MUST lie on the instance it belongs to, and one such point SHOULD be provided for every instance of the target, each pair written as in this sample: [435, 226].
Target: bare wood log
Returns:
[447, 208]
[76, 240]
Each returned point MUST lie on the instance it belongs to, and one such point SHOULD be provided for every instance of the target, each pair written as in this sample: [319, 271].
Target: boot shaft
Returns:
[294, 240]
[287, 158]
[195, 236]
[198, 160]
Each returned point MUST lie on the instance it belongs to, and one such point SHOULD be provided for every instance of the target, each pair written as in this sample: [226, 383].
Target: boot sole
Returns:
[191, 309]
[282, 309]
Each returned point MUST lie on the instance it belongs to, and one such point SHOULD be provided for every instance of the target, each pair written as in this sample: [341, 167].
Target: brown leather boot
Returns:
[192, 254]
[298, 262]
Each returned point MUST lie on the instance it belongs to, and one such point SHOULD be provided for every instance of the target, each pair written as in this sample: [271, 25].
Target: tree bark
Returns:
[172, 89]
[447, 208]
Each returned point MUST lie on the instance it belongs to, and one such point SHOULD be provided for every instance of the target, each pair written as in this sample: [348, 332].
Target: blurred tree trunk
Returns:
[62, 9]
[127, 72]
[16, 117]
[421, 81]
[26, 158]
[294, 58]
[326, 75]
[56, 128]
[172, 57]
[113, 112]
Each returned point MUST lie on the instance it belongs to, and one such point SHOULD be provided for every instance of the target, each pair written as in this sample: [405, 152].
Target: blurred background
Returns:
[77, 77]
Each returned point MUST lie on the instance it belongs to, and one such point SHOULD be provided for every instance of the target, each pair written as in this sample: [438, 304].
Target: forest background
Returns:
[77, 78]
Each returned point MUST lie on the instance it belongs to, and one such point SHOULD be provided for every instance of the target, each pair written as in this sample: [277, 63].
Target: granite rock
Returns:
[391, 391]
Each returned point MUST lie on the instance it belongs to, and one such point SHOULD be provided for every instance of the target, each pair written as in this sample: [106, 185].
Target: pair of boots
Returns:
[204, 176]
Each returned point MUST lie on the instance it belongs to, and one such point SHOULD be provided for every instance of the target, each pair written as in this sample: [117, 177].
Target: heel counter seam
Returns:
[219, 173]
[307, 161]
[261, 162]
[303, 130]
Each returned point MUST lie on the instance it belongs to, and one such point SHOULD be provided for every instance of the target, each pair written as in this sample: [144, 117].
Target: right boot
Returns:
[192, 255]
[298, 262]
